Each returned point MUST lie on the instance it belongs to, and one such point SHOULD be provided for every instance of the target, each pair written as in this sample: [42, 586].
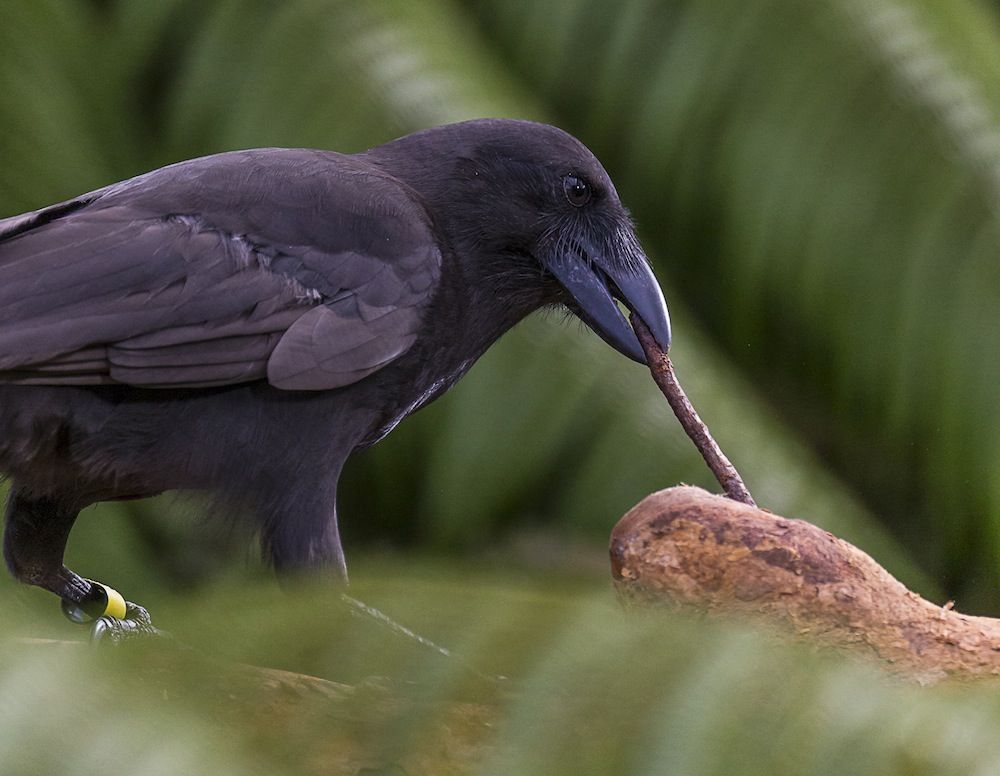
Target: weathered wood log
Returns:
[690, 549]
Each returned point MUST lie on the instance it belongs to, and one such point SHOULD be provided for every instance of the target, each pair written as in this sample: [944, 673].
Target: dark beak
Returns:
[594, 287]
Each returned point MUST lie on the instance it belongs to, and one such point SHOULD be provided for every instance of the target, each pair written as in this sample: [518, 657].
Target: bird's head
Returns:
[534, 206]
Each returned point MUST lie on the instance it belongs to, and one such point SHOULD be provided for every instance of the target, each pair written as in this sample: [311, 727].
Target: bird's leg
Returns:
[34, 541]
[309, 544]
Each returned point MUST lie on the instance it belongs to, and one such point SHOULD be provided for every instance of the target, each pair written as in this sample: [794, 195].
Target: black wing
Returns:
[307, 268]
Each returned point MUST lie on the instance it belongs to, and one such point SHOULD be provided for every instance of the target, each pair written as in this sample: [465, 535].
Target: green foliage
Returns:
[588, 689]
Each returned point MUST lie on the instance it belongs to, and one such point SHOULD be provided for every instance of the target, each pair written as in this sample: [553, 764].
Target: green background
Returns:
[818, 187]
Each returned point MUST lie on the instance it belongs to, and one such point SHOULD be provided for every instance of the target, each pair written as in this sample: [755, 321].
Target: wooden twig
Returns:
[663, 373]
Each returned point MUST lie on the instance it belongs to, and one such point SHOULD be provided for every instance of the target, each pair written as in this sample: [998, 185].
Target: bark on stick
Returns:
[663, 374]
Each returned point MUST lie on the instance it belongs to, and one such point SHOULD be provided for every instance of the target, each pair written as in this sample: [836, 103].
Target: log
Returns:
[689, 549]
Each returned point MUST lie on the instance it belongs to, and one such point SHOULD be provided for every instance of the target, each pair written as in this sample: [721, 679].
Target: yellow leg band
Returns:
[116, 602]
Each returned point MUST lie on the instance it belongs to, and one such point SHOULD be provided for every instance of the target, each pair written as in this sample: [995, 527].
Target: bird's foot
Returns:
[112, 619]
[134, 625]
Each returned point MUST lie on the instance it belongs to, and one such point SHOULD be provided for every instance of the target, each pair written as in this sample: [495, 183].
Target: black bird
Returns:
[241, 323]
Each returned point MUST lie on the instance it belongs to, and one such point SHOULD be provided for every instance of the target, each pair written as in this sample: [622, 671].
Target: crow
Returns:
[239, 324]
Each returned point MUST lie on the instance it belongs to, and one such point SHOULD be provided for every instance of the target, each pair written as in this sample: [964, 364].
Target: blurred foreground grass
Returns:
[588, 689]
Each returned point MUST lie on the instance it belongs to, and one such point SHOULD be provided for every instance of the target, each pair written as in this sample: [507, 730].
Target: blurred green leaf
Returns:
[588, 689]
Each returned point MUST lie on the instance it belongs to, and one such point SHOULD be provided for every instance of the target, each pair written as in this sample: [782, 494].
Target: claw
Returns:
[112, 630]
[136, 624]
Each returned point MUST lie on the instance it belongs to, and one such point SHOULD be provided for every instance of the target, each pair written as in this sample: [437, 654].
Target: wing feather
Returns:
[187, 276]
[299, 364]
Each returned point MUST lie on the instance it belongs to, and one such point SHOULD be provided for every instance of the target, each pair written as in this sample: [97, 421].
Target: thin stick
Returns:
[663, 373]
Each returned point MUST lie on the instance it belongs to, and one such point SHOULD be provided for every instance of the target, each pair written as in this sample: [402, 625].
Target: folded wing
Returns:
[298, 267]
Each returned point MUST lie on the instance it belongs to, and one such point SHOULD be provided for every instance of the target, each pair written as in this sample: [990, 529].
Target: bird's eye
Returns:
[577, 190]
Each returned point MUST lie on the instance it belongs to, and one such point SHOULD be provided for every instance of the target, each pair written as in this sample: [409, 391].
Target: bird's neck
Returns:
[466, 316]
